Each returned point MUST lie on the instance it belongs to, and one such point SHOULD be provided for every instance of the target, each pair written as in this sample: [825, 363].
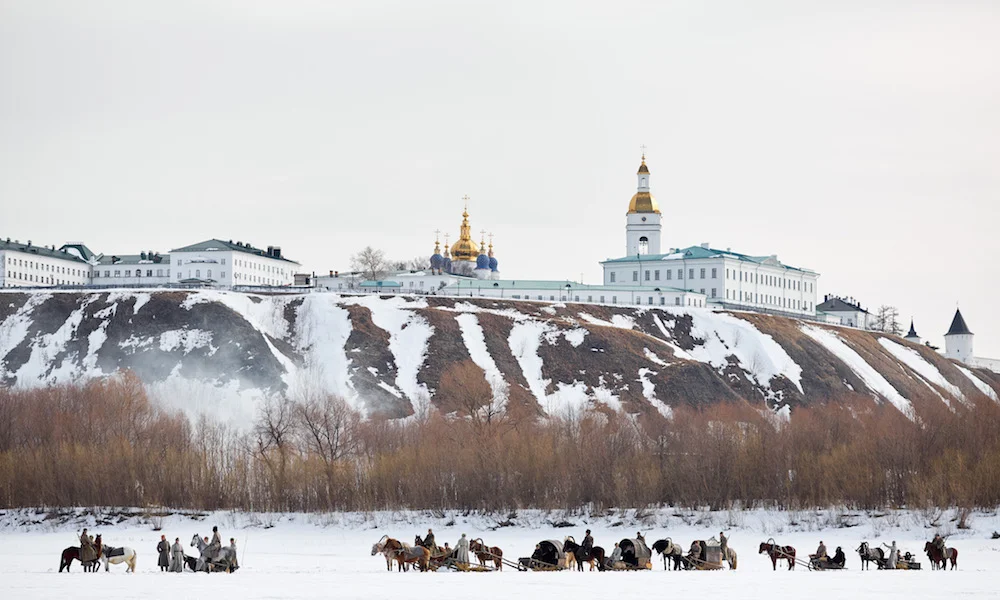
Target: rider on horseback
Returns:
[588, 545]
[216, 544]
[429, 541]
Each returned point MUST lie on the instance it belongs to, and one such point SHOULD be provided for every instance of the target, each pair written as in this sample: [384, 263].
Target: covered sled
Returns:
[635, 556]
[548, 556]
[710, 558]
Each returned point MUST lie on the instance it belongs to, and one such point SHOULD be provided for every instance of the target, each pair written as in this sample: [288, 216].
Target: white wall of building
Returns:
[231, 268]
[28, 269]
[958, 346]
[131, 271]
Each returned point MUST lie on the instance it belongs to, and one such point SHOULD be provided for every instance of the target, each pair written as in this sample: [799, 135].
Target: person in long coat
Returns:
[429, 540]
[216, 544]
[587, 545]
[893, 555]
[87, 551]
[177, 557]
[163, 547]
[232, 544]
[462, 550]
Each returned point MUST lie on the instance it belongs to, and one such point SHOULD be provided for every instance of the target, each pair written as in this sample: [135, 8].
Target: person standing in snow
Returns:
[163, 548]
[724, 544]
[232, 545]
[462, 550]
[87, 551]
[893, 555]
[177, 557]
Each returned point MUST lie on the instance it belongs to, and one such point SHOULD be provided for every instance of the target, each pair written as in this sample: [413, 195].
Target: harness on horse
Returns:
[112, 552]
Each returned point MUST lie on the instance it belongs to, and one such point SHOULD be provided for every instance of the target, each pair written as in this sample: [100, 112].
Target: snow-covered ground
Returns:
[324, 556]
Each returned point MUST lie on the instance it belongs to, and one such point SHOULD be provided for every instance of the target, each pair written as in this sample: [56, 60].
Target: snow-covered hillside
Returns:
[213, 351]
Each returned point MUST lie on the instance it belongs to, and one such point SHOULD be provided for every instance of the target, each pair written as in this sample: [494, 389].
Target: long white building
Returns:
[27, 265]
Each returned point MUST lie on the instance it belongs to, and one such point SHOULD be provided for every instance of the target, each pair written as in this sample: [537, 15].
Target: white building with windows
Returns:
[571, 291]
[229, 264]
[27, 265]
[145, 268]
[846, 311]
[724, 277]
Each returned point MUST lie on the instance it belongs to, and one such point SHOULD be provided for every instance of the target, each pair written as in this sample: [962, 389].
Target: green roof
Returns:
[215, 245]
[380, 284]
[696, 252]
[61, 254]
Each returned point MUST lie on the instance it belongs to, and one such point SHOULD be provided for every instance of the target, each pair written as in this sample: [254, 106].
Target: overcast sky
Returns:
[858, 139]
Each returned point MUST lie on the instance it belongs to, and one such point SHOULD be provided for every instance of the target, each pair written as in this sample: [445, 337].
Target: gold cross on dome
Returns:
[437, 234]
[643, 148]
[465, 198]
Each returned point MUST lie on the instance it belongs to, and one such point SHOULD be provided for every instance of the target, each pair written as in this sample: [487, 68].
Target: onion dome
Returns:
[465, 248]
[493, 261]
[446, 265]
[482, 262]
[643, 201]
[436, 259]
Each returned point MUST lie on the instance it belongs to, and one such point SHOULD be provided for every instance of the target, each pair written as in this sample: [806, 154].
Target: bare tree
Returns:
[887, 320]
[371, 263]
[328, 427]
[419, 263]
[273, 440]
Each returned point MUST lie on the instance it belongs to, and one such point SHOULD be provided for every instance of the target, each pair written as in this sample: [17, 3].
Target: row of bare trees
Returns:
[104, 443]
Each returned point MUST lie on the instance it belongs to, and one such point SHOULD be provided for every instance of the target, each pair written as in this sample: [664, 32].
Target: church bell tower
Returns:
[642, 228]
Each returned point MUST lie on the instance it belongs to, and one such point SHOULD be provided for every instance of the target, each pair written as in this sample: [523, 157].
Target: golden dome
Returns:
[643, 202]
[643, 168]
[465, 248]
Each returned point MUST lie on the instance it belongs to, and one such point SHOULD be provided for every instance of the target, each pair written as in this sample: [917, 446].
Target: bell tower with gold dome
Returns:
[642, 228]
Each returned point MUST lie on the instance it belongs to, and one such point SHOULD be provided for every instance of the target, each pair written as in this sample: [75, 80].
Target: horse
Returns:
[730, 556]
[484, 553]
[668, 550]
[403, 555]
[778, 552]
[379, 547]
[868, 554]
[580, 554]
[115, 556]
[226, 553]
[939, 559]
[73, 553]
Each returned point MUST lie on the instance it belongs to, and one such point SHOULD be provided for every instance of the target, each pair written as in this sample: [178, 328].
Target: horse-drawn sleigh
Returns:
[549, 555]
[635, 556]
[711, 557]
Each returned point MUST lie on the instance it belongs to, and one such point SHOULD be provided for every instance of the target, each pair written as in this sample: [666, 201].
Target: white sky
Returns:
[859, 139]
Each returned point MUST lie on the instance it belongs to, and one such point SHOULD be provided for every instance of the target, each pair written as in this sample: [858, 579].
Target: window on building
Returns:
[713, 292]
[680, 274]
[713, 273]
[702, 273]
[128, 272]
[647, 276]
[662, 300]
[656, 275]
[107, 273]
[602, 300]
[677, 301]
[638, 300]
[612, 277]
[223, 261]
[702, 290]
[118, 273]
[197, 273]
[650, 300]
[643, 245]
[635, 275]
[690, 273]
[614, 299]
[670, 273]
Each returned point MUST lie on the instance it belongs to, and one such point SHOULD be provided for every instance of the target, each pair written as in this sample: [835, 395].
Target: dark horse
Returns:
[582, 556]
[869, 554]
[669, 550]
[939, 559]
[73, 553]
[777, 552]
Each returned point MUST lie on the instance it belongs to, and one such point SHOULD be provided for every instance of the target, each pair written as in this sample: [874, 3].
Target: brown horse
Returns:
[939, 559]
[580, 555]
[777, 552]
[484, 553]
[416, 555]
[73, 553]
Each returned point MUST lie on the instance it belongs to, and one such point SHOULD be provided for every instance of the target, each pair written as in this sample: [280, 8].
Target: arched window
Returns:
[643, 245]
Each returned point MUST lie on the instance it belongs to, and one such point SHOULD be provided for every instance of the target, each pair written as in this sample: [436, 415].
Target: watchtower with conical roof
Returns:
[642, 228]
[958, 340]
[911, 336]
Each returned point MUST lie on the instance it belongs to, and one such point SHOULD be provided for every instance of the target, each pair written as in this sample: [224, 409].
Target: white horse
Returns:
[379, 547]
[116, 556]
[225, 553]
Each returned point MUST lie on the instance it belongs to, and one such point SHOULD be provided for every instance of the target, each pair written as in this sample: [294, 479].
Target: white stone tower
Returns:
[958, 340]
[642, 229]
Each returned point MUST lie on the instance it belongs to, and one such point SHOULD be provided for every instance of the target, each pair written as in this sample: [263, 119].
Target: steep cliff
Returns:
[219, 351]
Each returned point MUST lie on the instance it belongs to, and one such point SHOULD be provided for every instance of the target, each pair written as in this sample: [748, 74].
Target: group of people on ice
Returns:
[460, 553]
[172, 558]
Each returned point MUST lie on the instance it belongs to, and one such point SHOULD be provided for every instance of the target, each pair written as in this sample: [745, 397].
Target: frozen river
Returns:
[300, 557]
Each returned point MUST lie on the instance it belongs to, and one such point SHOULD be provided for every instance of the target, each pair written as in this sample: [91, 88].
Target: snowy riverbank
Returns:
[324, 555]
